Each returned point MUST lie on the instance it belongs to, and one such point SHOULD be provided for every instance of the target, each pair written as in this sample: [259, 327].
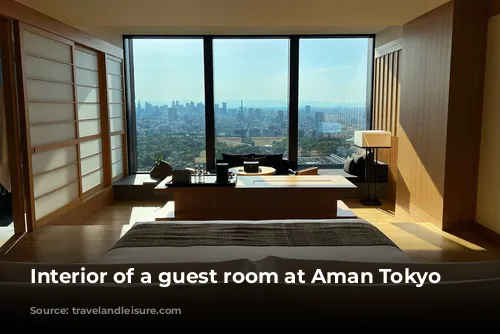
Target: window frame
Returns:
[293, 86]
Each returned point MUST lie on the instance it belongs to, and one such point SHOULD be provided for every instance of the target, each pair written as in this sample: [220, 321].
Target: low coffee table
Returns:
[263, 170]
[265, 197]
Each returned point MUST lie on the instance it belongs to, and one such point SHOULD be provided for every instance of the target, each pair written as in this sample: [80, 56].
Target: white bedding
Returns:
[198, 254]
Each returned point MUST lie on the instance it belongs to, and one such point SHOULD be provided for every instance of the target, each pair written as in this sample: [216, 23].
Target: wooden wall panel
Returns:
[440, 116]
[386, 111]
[423, 115]
[494, 8]
[463, 145]
[488, 210]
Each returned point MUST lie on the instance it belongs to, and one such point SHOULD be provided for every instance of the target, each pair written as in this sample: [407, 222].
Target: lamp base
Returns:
[371, 202]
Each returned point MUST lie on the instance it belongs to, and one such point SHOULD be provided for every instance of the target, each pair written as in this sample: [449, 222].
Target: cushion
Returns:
[347, 165]
[359, 163]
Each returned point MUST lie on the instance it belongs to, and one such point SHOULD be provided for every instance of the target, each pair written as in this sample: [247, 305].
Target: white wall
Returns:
[488, 201]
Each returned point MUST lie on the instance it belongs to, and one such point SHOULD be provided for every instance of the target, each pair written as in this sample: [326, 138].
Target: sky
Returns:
[253, 70]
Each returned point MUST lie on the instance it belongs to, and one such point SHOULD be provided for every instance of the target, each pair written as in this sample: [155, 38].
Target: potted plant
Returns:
[161, 169]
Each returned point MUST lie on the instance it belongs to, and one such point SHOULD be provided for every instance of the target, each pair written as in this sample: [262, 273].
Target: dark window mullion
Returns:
[130, 103]
[293, 100]
[370, 83]
[209, 101]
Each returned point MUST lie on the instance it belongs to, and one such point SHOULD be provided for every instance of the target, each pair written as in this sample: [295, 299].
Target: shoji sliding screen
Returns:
[51, 115]
[89, 119]
[67, 120]
[117, 126]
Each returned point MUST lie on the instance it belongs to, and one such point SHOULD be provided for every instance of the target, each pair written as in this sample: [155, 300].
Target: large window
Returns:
[251, 96]
[333, 98]
[195, 98]
[169, 101]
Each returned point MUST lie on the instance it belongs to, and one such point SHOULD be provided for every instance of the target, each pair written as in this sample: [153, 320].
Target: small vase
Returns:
[161, 170]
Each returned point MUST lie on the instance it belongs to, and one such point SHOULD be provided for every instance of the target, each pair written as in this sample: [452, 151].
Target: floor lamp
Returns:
[371, 141]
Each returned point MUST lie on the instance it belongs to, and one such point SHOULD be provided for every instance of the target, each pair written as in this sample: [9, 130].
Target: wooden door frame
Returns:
[13, 125]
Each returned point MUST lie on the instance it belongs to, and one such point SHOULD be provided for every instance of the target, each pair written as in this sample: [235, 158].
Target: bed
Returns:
[353, 240]
[349, 246]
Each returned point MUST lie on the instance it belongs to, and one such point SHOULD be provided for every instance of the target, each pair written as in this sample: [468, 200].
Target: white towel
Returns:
[4, 155]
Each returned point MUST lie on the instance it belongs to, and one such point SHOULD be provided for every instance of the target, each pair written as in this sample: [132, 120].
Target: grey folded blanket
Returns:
[276, 234]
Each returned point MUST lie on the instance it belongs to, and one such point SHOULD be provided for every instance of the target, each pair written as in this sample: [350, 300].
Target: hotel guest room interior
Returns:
[210, 131]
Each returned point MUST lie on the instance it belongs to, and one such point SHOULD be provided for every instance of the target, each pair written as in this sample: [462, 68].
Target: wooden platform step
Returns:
[168, 212]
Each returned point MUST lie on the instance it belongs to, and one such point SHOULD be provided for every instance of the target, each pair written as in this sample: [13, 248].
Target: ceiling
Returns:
[110, 19]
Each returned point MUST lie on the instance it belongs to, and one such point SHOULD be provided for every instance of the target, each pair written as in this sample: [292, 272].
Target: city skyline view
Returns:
[177, 132]
[251, 98]
[254, 103]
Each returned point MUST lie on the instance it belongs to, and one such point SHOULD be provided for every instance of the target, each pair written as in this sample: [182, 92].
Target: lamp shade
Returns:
[372, 139]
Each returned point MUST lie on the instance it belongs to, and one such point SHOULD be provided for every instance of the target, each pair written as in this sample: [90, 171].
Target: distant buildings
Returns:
[241, 120]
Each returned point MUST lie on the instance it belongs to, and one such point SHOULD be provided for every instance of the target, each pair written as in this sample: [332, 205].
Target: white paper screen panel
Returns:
[46, 47]
[117, 168]
[46, 161]
[114, 67]
[91, 164]
[92, 180]
[86, 60]
[47, 69]
[116, 141]
[88, 111]
[116, 121]
[48, 134]
[88, 94]
[116, 124]
[87, 78]
[90, 147]
[51, 112]
[58, 178]
[116, 155]
[49, 91]
[55, 200]
[114, 82]
[115, 96]
[115, 110]
[89, 128]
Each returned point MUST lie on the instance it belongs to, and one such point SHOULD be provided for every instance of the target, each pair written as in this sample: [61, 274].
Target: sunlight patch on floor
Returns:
[426, 236]
[143, 213]
[405, 240]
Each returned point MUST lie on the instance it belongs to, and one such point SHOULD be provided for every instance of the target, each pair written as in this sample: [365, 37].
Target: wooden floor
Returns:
[89, 241]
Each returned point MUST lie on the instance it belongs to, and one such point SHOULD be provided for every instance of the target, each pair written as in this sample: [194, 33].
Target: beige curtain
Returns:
[4, 156]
